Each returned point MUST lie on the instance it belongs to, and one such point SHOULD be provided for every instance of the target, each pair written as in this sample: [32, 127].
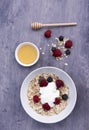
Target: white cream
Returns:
[49, 93]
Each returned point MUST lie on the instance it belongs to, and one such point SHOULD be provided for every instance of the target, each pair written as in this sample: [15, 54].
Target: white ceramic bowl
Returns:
[71, 101]
[17, 49]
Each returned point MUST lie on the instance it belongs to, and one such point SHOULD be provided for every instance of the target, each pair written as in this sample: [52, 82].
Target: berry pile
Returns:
[62, 48]
[43, 83]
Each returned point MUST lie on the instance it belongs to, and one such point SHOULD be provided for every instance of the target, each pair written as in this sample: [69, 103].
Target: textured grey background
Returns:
[15, 19]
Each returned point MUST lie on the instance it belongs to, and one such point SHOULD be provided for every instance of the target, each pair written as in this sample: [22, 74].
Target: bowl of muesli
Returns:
[48, 94]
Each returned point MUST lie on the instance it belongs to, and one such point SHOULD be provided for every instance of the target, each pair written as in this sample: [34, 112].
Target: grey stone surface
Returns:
[15, 19]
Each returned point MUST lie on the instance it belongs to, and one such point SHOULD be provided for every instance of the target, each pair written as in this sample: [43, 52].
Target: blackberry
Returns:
[49, 79]
[67, 52]
[53, 48]
[65, 97]
[61, 38]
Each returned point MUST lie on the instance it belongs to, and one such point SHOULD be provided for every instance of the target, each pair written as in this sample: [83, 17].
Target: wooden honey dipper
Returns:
[37, 25]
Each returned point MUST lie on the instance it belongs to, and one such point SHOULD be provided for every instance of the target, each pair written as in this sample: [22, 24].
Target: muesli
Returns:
[47, 94]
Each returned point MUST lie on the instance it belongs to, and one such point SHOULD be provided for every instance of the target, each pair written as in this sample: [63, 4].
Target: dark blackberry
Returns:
[53, 48]
[67, 52]
[65, 97]
[61, 38]
[49, 79]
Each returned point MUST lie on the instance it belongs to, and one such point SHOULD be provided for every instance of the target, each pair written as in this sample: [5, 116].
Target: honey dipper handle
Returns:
[60, 24]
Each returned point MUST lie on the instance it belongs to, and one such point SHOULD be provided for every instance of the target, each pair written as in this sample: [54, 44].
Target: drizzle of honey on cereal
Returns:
[27, 54]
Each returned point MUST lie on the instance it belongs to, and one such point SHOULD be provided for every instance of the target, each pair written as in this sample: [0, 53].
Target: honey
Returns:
[27, 54]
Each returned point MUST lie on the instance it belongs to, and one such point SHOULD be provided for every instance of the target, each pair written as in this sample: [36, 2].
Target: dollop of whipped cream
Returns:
[49, 93]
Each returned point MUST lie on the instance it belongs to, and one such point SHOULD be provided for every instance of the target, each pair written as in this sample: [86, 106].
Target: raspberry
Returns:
[57, 53]
[36, 99]
[59, 83]
[43, 83]
[68, 44]
[48, 33]
[46, 106]
[40, 78]
[57, 101]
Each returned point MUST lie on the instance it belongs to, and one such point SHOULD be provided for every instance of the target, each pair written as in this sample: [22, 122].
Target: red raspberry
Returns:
[59, 83]
[46, 106]
[57, 101]
[48, 33]
[57, 53]
[36, 99]
[43, 83]
[68, 44]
